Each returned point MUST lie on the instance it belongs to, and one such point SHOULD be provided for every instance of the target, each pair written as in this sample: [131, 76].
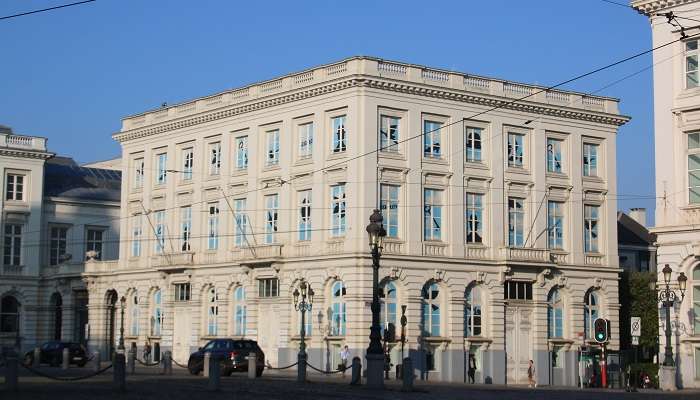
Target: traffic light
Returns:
[601, 330]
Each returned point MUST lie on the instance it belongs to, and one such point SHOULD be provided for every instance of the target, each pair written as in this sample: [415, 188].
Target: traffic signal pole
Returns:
[604, 369]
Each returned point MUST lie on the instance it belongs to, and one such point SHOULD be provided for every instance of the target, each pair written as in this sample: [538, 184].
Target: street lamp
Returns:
[375, 353]
[325, 330]
[303, 299]
[120, 347]
[667, 297]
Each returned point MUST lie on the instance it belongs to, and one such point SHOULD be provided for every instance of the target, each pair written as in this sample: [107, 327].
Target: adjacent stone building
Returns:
[635, 244]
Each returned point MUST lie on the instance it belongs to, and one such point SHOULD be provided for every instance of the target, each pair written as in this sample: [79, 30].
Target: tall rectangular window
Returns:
[472, 145]
[162, 168]
[58, 241]
[213, 226]
[183, 292]
[432, 140]
[305, 215]
[339, 143]
[268, 287]
[15, 187]
[215, 158]
[691, 64]
[94, 241]
[139, 168]
[242, 152]
[273, 147]
[432, 214]
[306, 140]
[338, 210]
[185, 228]
[389, 206]
[554, 159]
[475, 218]
[12, 245]
[516, 221]
[159, 227]
[516, 150]
[694, 168]
[590, 159]
[241, 219]
[271, 217]
[590, 227]
[187, 163]
[136, 233]
[555, 225]
[389, 134]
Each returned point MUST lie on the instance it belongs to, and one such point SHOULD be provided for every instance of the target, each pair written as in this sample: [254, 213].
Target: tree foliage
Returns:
[637, 299]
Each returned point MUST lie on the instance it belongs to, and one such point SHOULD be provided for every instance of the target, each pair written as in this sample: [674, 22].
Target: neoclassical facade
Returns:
[501, 223]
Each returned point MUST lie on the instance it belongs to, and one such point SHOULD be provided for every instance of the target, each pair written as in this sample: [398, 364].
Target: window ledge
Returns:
[557, 175]
[394, 155]
[209, 337]
[153, 337]
[475, 164]
[435, 160]
[517, 170]
[271, 167]
[240, 172]
[211, 177]
[337, 155]
[304, 161]
[436, 339]
[690, 207]
[478, 339]
[592, 179]
[560, 341]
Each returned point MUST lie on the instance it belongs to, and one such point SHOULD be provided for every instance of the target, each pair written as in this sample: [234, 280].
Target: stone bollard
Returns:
[301, 368]
[131, 362]
[37, 358]
[205, 367]
[214, 374]
[119, 367]
[11, 372]
[96, 361]
[65, 359]
[356, 371]
[167, 363]
[252, 365]
[407, 372]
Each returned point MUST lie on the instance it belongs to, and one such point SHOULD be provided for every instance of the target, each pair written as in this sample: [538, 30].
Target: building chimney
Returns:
[639, 215]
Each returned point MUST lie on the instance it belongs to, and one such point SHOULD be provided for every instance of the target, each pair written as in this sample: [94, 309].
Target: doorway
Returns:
[518, 342]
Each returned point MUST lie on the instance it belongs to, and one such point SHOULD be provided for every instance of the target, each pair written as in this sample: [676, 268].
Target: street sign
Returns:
[635, 340]
[636, 326]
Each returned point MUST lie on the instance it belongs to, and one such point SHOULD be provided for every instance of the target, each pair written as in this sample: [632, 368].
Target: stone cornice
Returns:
[39, 155]
[650, 6]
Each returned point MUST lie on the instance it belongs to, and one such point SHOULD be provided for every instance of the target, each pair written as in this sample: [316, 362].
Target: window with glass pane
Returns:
[691, 64]
[555, 315]
[338, 210]
[271, 215]
[694, 168]
[15, 187]
[432, 214]
[213, 226]
[590, 223]
[696, 299]
[474, 218]
[268, 287]
[12, 245]
[590, 313]
[697, 363]
[387, 302]
[590, 159]
[517, 290]
[308, 325]
[183, 292]
[9, 314]
[136, 236]
[138, 173]
[306, 140]
[339, 143]
[273, 147]
[432, 140]
[162, 168]
[516, 150]
[389, 206]
[305, 215]
[472, 311]
[241, 220]
[214, 158]
[212, 312]
[57, 244]
[554, 157]
[516, 221]
[242, 152]
[157, 317]
[338, 309]
[473, 144]
[240, 311]
[389, 134]
[94, 242]
[430, 315]
[135, 315]
[187, 163]
[185, 228]
[555, 225]
[159, 227]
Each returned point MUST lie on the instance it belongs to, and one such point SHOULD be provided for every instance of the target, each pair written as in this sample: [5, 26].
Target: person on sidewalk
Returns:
[471, 370]
[147, 352]
[344, 355]
[531, 375]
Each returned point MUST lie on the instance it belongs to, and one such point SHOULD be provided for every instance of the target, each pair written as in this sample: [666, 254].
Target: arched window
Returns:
[472, 311]
[134, 314]
[239, 311]
[555, 315]
[430, 317]
[157, 313]
[338, 309]
[212, 312]
[590, 313]
[387, 301]
[696, 308]
[9, 315]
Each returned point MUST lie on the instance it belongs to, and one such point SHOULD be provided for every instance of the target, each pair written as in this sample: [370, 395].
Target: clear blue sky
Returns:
[71, 74]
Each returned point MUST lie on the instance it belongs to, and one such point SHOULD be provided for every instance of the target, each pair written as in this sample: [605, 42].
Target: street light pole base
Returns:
[667, 378]
[375, 371]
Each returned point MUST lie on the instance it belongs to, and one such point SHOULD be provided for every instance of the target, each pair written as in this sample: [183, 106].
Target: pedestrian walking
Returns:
[344, 355]
[471, 370]
[531, 375]
[147, 351]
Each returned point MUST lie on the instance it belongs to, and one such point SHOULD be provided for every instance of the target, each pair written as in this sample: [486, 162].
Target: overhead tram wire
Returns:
[46, 9]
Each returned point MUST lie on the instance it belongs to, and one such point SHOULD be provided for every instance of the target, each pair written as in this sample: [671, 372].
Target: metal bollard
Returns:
[301, 368]
[11, 372]
[37, 358]
[65, 359]
[96, 361]
[119, 367]
[131, 362]
[167, 363]
[214, 375]
[252, 365]
[356, 371]
[205, 367]
[408, 375]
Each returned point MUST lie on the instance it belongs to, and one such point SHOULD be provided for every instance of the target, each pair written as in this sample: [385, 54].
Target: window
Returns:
[691, 64]
[212, 312]
[15, 187]
[515, 150]
[555, 315]
[9, 315]
[215, 158]
[516, 220]
[338, 210]
[138, 173]
[185, 228]
[305, 215]
[271, 217]
[388, 134]
[389, 206]
[339, 135]
[239, 311]
[213, 226]
[338, 309]
[157, 317]
[474, 218]
[590, 313]
[696, 299]
[134, 317]
[182, 292]
[697, 363]
[94, 242]
[306, 140]
[472, 144]
[590, 227]
[472, 311]
[241, 220]
[432, 214]
[516, 290]
[273, 147]
[136, 233]
[242, 152]
[57, 244]
[555, 225]
[162, 168]
[432, 143]
[187, 163]
[694, 168]
[159, 227]
[387, 302]
[554, 155]
[590, 159]
[268, 287]
[430, 316]
[12, 245]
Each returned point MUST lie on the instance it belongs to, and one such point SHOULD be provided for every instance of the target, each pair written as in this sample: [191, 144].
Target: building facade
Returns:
[677, 153]
[53, 213]
[635, 244]
[501, 231]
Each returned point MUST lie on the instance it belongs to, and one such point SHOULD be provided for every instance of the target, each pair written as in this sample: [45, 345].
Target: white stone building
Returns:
[53, 212]
[677, 153]
[495, 221]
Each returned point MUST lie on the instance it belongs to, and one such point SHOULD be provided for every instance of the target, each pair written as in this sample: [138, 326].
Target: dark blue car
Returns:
[232, 355]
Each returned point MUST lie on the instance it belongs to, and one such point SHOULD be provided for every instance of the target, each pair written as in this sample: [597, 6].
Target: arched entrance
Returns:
[57, 313]
[111, 300]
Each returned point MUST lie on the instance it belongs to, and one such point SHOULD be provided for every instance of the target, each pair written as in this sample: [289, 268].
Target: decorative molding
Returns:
[542, 276]
[647, 7]
[26, 154]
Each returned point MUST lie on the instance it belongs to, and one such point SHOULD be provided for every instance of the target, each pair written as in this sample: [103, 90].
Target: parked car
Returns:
[232, 353]
[52, 354]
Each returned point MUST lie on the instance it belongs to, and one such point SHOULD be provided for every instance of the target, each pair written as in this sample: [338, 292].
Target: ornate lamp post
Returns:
[667, 297]
[404, 321]
[375, 353]
[303, 300]
[120, 347]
